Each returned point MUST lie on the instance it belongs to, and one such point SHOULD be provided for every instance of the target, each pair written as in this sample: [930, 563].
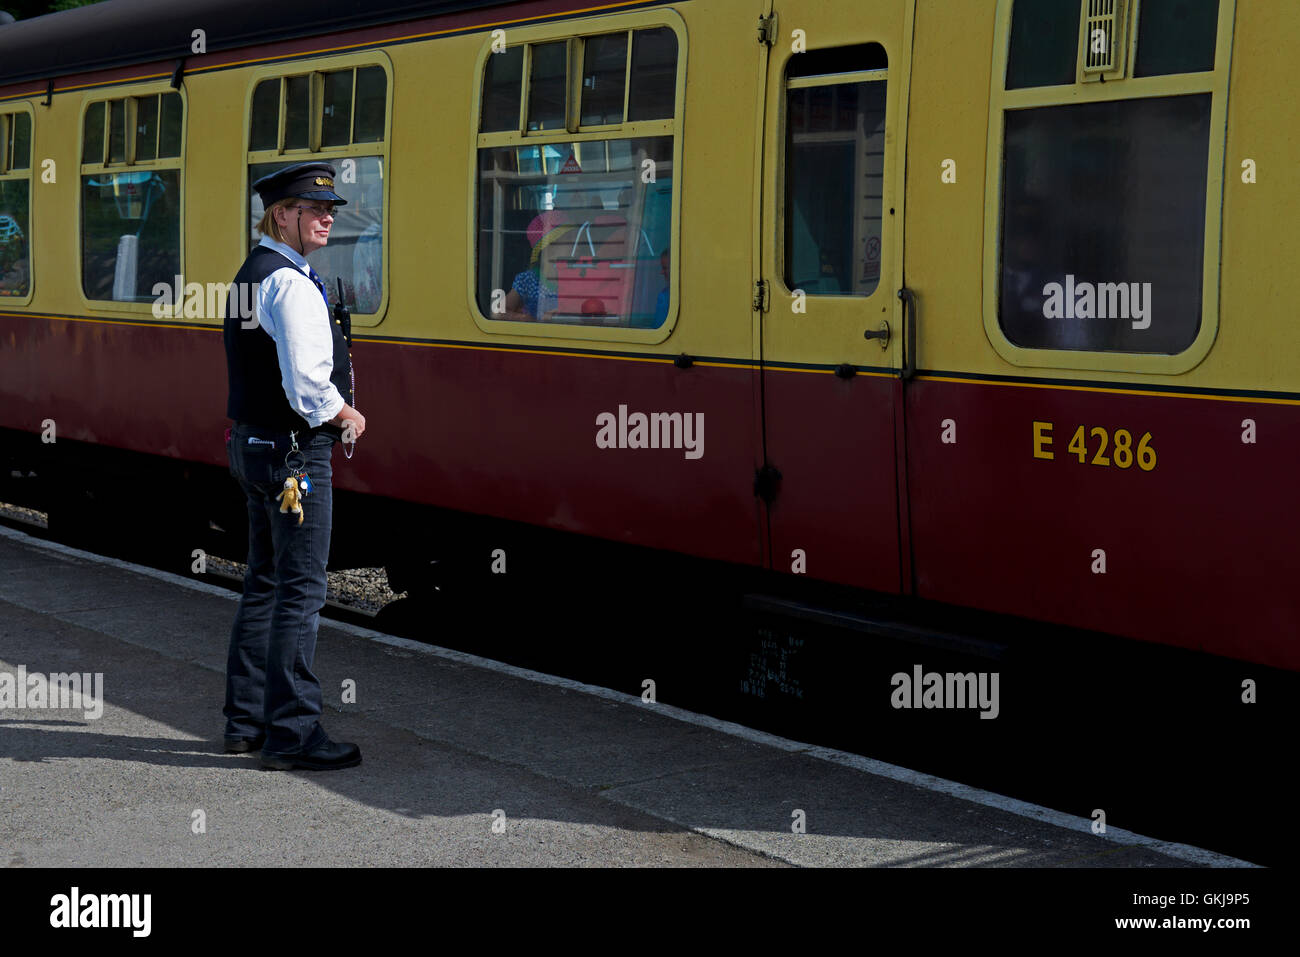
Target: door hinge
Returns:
[767, 483]
[760, 295]
[767, 30]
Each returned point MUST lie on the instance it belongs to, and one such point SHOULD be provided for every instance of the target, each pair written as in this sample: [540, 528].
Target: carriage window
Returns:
[1103, 206]
[1123, 271]
[117, 131]
[170, 126]
[155, 121]
[575, 230]
[1176, 36]
[16, 143]
[92, 138]
[318, 116]
[604, 72]
[1173, 36]
[265, 131]
[501, 91]
[355, 250]
[15, 204]
[146, 125]
[546, 88]
[370, 114]
[579, 237]
[130, 196]
[321, 109]
[834, 171]
[1044, 43]
[654, 65]
[296, 112]
[336, 123]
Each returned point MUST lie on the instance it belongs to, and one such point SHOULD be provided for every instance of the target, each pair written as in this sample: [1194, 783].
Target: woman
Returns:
[290, 397]
[533, 295]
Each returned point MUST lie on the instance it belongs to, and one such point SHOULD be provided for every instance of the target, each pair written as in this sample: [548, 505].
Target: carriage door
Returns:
[826, 293]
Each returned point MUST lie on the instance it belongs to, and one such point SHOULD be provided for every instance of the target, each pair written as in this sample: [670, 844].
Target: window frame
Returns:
[14, 107]
[576, 32]
[328, 154]
[873, 75]
[1002, 100]
[129, 164]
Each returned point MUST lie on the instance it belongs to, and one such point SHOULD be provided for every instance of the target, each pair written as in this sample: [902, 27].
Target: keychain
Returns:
[297, 486]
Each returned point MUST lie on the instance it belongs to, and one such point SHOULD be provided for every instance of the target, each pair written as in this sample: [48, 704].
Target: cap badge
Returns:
[322, 181]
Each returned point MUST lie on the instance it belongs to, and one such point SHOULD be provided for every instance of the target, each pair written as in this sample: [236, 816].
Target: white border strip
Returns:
[1034, 812]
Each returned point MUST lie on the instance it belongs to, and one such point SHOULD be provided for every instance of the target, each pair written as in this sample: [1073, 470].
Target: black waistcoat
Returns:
[257, 394]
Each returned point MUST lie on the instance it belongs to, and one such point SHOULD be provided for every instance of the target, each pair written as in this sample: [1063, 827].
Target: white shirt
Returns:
[292, 311]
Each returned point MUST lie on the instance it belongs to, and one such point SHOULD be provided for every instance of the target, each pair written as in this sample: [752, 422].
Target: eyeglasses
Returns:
[319, 211]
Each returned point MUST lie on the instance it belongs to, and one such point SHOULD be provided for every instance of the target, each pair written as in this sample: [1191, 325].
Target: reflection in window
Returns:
[578, 232]
[131, 214]
[15, 204]
[351, 106]
[1103, 225]
[354, 253]
[835, 143]
[15, 255]
[569, 233]
[130, 233]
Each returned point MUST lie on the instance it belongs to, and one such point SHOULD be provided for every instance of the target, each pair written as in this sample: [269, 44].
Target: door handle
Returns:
[909, 332]
[882, 334]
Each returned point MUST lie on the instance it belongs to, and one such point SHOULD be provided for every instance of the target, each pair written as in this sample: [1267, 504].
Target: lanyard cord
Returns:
[352, 374]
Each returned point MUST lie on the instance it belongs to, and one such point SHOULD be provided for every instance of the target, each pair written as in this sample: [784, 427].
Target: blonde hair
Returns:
[267, 226]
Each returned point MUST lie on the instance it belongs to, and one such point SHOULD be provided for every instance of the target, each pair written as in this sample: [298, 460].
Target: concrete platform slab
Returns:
[465, 762]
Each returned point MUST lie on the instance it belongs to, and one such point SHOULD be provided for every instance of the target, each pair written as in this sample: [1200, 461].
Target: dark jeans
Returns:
[269, 682]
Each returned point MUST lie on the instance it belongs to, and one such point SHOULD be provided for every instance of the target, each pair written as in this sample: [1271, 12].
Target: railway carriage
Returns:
[976, 304]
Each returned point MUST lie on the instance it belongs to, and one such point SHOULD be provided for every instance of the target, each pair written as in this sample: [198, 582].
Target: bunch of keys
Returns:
[301, 486]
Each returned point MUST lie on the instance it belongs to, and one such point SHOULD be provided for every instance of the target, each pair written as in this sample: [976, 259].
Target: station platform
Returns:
[466, 761]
